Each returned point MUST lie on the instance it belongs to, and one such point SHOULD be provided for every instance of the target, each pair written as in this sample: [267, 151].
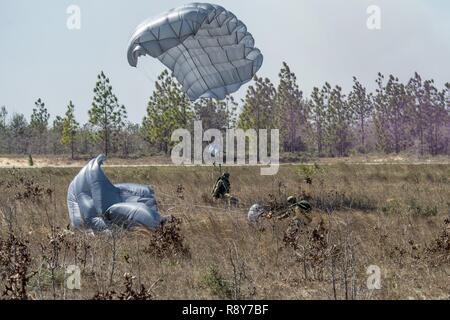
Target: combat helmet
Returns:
[292, 200]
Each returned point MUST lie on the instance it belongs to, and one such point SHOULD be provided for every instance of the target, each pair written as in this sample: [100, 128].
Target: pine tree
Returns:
[39, 125]
[447, 95]
[86, 139]
[3, 129]
[318, 111]
[19, 134]
[339, 117]
[69, 129]
[420, 109]
[39, 117]
[361, 105]
[168, 109]
[131, 138]
[231, 111]
[54, 135]
[212, 113]
[438, 116]
[3, 116]
[106, 114]
[259, 106]
[292, 111]
[392, 115]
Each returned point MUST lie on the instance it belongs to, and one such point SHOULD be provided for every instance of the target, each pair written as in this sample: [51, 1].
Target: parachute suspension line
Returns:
[213, 174]
[214, 169]
[147, 74]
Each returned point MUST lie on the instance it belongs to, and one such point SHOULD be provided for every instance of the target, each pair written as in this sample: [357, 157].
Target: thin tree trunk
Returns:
[363, 135]
[72, 147]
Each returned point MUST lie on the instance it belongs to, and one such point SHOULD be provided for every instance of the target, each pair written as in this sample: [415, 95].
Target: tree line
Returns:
[397, 117]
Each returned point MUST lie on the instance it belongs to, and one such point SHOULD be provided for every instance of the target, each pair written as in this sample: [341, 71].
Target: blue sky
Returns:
[322, 40]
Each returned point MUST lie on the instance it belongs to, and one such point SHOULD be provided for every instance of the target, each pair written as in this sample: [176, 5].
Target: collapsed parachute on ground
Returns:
[209, 50]
[95, 203]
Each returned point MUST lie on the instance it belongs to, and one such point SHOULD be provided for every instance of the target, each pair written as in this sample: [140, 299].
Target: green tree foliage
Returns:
[3, 129]
[54, 137]
[339, 117]
[447, 95]
[212, 113]
[429, 114]
[3, 116]
[39, 126]
[292, 111]
[106, 114]
[259, 106]
[393, 111]
[131, 140]
[360, 102]
[69, 129]
[86, 140]
[19, 134]
[58, 124]
[231, 111]
[168, 109]
[413, 116]
[39, 117]
[319, 113]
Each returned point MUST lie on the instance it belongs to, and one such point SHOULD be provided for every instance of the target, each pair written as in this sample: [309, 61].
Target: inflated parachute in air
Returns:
[96, 204]
[209, 50]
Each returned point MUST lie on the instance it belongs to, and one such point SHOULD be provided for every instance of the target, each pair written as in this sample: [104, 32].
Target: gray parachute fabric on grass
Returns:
[255, 213]
[95, 203]
[209, 50]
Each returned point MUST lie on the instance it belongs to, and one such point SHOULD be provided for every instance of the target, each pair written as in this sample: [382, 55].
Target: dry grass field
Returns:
[394, 216]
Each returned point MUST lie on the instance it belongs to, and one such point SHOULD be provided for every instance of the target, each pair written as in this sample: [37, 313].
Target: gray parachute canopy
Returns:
[209, 50]
[95, 203]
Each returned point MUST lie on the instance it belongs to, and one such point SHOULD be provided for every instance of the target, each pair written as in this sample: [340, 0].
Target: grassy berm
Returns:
[366, 218]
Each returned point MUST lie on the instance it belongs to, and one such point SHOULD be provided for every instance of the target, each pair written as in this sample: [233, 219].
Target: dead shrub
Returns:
[311, 248]
[15, 261]
[24, 187]
[168, 241]
[127, 293]
[439, 249]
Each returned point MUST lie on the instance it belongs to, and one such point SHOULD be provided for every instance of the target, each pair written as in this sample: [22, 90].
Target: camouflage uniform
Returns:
[298, 212]
[222, 187]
